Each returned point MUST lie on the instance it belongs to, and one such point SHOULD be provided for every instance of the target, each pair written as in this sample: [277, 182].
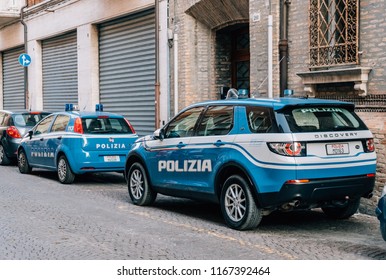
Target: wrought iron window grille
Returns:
[334, 32]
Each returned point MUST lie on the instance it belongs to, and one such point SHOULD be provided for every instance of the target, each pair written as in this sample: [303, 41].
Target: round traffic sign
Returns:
[24, 59]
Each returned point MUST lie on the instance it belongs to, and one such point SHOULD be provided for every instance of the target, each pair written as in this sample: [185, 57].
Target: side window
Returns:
[44, 125]
[2, 119]
[217, 120]
[260, 120]
[60, 123]
[183, 124]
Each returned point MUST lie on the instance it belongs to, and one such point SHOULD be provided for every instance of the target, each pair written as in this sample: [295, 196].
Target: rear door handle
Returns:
[59, 138]
[181, 145]
[219, 143]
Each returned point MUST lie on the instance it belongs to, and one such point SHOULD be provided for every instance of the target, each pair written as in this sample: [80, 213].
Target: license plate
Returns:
[111, 158]
[337, 149]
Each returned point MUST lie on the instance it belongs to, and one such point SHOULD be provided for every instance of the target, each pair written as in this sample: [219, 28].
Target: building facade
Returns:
[147, 59]
[82, 52]
[326, 49]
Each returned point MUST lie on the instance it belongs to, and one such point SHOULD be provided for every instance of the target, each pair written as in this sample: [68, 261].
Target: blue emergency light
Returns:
[69, 107]
[99, 107]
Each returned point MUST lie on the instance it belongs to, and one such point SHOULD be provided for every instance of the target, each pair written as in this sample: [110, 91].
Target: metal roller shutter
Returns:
[60, 72]
[13, 80]
[127, 69]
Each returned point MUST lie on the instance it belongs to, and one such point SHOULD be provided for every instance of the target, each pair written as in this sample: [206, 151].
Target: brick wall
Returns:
[377, 124]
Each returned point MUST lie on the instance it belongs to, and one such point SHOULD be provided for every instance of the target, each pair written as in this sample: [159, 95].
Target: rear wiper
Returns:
[342, 128]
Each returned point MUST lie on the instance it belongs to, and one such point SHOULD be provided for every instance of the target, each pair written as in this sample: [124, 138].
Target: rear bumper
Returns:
[10, 148]
[86, 164]
[319, 192]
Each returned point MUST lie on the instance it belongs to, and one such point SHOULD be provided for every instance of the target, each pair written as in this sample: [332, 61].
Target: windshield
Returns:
[106, 125]
[27, 119]
[317, 119]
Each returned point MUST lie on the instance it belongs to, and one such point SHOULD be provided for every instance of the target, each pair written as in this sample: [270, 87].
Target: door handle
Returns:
[59, 138]
[41, 139]
[219, 143]
[181, 145]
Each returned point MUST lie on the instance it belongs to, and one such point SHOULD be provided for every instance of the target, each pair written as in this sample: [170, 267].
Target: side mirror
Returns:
[159, 134]
[30, 133]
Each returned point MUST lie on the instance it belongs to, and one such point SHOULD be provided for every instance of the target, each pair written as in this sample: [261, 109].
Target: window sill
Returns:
[358, 75]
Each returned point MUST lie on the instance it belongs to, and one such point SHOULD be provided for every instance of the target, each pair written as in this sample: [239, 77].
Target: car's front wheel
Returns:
[4, 160]
[345, 212]
[138, 185]
[238, 206]
[65, 174]
[22, 163]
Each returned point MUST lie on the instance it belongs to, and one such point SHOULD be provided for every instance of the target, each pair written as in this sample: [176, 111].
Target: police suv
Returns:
[255, 156]
[73, 142]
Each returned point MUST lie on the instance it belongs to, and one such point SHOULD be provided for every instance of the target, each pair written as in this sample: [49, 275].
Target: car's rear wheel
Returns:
[345, 212]
[65, 174]
[238, 206]
[22, 163]
[138, 185]
[4, 160]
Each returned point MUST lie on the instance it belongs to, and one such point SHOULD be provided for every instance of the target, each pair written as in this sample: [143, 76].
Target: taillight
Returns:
[369, 145]
[78, 128]
[13, 132]
[131, 127]
[292, 149]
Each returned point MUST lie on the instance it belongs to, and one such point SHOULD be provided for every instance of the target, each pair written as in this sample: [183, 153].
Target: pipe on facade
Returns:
[175, 58]
[25, 51]
[283, 45]
[157, 79]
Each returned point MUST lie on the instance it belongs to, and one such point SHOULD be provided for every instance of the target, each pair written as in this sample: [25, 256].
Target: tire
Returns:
[4, 160]
[344, 212]
[383, 230]
[138, 186]
[238, 206]
[65, 174]
[22, 163]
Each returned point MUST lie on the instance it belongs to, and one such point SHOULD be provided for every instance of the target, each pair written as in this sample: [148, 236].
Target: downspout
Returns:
[25, 51]
[283, 45]
[157, 79]
[175, 59]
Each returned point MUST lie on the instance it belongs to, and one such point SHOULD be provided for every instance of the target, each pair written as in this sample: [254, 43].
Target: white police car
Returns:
[255, 156]
[73, 142]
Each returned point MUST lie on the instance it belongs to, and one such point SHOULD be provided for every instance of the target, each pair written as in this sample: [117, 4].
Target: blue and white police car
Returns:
[255, 156]
[73, 142]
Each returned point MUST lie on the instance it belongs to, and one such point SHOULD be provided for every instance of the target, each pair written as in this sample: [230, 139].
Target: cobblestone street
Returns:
[93, 219]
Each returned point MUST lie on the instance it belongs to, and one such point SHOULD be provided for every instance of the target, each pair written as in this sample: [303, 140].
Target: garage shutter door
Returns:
[13, 80]
[60, 72]
[127, 69]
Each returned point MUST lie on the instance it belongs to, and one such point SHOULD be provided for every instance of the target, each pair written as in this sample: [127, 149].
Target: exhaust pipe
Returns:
[290, 205]
[294, 203]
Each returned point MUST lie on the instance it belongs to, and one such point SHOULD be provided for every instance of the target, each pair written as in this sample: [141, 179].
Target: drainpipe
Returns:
[175, 58]
[157, 79]
[283, 45]
[25, 51]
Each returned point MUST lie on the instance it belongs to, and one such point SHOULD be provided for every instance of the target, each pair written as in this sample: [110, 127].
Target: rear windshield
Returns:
[27, 119]
[106, 125]
[316, 119]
